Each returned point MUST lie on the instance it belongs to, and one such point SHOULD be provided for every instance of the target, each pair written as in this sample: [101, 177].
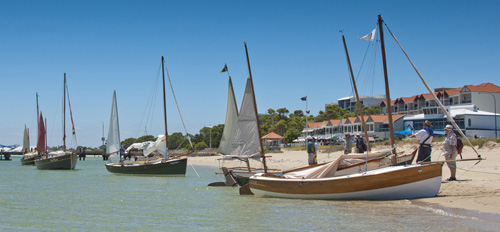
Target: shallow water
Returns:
[92, 199]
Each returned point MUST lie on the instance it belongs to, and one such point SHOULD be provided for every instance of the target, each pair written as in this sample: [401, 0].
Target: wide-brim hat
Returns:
[448, 127]
[309, 137]
[428, 123]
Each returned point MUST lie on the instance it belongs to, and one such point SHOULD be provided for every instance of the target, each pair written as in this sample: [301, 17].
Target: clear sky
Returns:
[295, 50]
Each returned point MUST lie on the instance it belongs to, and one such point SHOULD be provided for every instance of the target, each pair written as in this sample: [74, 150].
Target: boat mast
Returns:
[256, 113]
[64, 113]
[387, 94]
[164, 102]
[37, 118]
[356, 92]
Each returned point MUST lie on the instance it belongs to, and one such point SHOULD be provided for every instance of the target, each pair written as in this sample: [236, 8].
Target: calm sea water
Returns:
[92, 199]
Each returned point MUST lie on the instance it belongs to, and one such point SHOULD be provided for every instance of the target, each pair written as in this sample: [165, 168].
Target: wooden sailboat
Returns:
[394, 182]
[243, 140]
[350, 163]
[57, 159]
[175, 166]
[28, 155]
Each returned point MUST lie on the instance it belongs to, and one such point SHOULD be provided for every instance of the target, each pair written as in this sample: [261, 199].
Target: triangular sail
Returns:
[40, 145]
[246, 142]
[113, 141]
[231, 122]
[26, 140]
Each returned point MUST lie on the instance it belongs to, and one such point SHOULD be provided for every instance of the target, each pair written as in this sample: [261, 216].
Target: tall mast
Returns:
[64, 113]
[37, 117]
[356, 91]
[164, 102]
[256, 113]
[387, 94]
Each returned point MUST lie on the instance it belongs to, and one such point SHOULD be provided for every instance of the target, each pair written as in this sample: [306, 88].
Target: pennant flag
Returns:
[224, 69]
[370, 36]
[303, 98]
[308, 111]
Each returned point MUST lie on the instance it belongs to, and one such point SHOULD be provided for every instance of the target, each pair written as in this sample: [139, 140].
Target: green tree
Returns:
[127, 142]
[200, 146]
[282, 113]
[145, 138]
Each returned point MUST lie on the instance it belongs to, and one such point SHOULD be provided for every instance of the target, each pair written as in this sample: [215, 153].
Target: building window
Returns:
[470, 122]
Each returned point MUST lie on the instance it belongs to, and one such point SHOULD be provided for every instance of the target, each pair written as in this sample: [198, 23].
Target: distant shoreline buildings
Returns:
[472, 106]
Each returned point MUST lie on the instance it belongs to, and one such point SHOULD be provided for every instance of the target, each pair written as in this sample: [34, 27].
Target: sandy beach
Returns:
[477, 186]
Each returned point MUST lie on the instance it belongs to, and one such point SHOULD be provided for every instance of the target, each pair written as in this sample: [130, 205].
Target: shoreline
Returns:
[477, 187]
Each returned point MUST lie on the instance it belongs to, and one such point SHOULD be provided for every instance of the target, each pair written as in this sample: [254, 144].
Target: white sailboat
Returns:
[241, 138]
[394, 182]
[175, 166]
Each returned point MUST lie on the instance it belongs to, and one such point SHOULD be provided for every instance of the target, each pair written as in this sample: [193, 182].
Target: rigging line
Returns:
[178, 108]
[53, 122]
[468, 170]
[71, 116]
[433, 94]
[149, 104]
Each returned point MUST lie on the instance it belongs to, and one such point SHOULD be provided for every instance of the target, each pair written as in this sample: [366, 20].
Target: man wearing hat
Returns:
[311, 150]
[425, 137]
[450, 151]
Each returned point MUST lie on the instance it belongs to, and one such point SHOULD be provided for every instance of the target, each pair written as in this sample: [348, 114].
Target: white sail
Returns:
[246, 142]
[26, 141]
[113, 146]
[231, 123]
[158, 145]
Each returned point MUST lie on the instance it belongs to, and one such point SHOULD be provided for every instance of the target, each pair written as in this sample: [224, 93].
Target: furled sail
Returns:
[158, 145]
[246, 142]
[231, 123]
[113, 146]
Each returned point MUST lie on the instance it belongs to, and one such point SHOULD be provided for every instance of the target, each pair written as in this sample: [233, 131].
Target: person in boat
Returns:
[311, 150]
[425, 137]
[450, 151]
[348, 144]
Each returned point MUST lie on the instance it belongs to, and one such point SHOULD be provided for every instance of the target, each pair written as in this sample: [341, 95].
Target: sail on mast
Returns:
[40, 146]
[230, 123]
[246, 142]
[114, 129]
[26, 140]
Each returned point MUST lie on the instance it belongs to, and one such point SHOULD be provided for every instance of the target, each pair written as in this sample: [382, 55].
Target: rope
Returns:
[432, 93]
[150, 105]
[180, 114]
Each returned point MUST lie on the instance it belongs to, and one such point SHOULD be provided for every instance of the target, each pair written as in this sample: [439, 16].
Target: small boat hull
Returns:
[175, 167]
[29, 159]
[390, 183]
[61, 162]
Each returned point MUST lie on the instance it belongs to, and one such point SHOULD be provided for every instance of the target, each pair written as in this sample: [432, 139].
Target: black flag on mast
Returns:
[303, 98]
[224, 69]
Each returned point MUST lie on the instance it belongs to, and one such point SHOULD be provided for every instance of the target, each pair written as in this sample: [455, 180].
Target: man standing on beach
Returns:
[450, 151]
[425, 137]
[348, 144]
[311, 150]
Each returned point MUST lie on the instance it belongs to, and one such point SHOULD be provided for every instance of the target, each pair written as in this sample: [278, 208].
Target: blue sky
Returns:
[295, 50]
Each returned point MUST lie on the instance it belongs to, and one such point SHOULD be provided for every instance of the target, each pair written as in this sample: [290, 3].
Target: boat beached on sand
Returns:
[241, 139]
[393, 182]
